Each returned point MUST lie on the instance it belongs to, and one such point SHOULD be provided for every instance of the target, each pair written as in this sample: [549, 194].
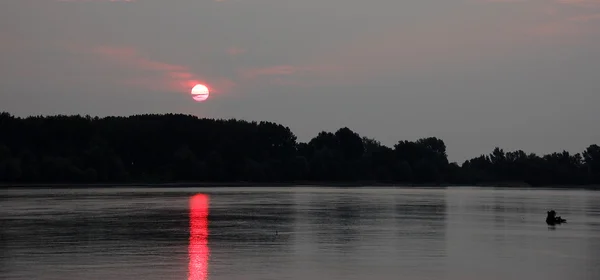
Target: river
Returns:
[298, 233]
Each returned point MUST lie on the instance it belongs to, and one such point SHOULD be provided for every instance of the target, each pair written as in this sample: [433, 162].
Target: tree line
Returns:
[183, 148]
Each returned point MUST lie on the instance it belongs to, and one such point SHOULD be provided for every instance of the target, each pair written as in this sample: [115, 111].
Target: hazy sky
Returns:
[519, 74]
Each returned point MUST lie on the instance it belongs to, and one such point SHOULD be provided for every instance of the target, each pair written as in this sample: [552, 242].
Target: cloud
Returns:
[582, 3]
[278, 70]
[143, 72]
[297, 75]
[147, 73]
[550, 11]
[574, 13]
[556, 28]
[89, 1]
[505, 1]
[235, 51]
[155, 75]
[498, 1]
[586, 18]
[8, 42]
[130, 55]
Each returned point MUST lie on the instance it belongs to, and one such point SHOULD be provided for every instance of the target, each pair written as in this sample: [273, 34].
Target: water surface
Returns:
[298, 233]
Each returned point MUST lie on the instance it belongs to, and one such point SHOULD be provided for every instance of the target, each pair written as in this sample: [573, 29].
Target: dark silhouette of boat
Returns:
[552, 219]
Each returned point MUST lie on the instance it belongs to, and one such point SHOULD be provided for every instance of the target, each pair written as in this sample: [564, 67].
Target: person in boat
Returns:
[552, 219]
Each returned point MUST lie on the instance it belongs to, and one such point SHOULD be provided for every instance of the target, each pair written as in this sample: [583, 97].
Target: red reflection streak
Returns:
[198, 249]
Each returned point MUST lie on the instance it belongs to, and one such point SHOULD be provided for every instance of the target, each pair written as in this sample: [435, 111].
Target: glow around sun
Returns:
[200, 92]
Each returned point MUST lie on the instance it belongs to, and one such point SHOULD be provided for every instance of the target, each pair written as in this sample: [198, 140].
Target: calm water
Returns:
[298, 233]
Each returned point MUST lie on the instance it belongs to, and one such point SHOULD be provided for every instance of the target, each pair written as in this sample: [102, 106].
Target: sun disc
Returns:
[200, 92]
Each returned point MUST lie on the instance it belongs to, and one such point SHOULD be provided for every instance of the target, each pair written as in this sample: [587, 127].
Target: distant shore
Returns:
[162, 150]
[282, 184]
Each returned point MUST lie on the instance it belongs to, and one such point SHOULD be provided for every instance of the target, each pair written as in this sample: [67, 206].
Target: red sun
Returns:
[200, 92]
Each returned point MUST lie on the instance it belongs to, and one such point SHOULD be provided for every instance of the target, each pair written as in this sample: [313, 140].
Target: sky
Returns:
[517, 74]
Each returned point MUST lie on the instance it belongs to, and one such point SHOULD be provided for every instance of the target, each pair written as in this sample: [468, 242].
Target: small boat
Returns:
[552, 219]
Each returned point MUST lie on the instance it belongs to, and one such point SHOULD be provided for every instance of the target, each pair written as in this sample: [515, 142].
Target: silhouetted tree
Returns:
[174, 147]
[591, 157]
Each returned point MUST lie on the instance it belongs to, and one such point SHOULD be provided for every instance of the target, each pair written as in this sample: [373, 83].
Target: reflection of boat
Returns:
[552, 219]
